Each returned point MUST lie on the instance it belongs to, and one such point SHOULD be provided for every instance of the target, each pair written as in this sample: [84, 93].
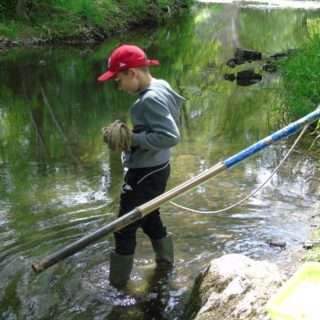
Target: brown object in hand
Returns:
[117, 136]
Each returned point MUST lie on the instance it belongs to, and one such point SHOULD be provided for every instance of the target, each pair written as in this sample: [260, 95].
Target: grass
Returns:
[76, 18]
[301, 78]
[11, 29]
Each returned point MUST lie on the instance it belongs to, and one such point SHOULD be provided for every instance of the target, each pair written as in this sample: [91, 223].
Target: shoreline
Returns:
[85, 33]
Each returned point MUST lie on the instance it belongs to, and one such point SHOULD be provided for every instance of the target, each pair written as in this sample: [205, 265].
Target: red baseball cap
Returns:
[124, 57]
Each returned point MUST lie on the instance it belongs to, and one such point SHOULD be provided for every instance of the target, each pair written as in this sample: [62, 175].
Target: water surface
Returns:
[58, 181]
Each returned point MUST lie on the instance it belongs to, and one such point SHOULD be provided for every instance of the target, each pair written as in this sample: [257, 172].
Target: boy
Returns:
[155, 118]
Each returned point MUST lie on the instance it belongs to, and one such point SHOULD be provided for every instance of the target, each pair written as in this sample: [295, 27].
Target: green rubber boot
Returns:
[163, 249]
[120, 269]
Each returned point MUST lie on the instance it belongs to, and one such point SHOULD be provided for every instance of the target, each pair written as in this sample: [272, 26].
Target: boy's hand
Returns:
[117, 136]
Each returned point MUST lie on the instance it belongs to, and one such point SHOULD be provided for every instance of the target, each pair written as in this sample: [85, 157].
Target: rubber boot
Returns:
[120, 269]
[163, 249]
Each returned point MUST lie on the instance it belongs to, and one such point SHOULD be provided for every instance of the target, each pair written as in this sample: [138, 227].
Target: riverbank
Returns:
[60, 22]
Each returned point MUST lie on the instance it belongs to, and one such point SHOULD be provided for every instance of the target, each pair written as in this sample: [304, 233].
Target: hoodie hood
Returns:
[163, 88]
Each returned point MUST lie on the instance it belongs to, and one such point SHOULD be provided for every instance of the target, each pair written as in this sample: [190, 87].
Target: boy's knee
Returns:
[124, 245]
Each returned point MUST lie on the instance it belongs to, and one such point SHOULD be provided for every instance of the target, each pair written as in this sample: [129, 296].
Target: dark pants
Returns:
[140, 186]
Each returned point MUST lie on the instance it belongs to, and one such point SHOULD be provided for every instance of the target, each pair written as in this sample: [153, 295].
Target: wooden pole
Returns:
[76, 246]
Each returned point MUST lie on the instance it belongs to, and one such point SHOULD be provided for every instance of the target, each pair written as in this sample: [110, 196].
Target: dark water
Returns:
[58, 182]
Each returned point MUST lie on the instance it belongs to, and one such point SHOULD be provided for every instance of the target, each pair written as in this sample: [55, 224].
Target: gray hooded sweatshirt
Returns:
[155, 118]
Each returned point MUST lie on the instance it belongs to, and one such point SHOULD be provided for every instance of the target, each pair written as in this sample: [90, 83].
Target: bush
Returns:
[301, 78]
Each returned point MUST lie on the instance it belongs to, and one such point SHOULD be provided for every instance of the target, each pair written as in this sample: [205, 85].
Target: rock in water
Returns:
[233, 287]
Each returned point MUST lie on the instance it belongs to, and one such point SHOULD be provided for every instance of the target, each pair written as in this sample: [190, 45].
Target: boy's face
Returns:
[127, 81]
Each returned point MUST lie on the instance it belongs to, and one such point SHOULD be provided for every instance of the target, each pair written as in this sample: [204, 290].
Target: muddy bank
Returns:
[89, 36]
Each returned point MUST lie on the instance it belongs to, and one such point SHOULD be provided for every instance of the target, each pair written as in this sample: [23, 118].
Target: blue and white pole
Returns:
[274, 137]
[230, 162]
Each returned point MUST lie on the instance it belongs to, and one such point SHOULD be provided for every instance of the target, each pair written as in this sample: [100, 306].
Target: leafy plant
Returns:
[301, 77]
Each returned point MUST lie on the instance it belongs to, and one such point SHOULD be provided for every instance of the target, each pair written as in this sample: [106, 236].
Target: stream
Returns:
[58, 182]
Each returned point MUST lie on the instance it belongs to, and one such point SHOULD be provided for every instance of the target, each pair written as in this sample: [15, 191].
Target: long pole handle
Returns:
[290, 129]
[155, 203]
[76, 246]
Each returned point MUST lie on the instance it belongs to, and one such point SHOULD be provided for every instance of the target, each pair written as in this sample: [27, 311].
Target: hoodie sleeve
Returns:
[162, 132]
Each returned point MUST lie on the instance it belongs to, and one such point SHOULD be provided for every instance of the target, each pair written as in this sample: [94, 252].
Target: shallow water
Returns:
[58, 182]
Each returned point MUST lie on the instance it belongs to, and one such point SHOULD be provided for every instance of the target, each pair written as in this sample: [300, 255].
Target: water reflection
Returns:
[270, 4]
[58, 182]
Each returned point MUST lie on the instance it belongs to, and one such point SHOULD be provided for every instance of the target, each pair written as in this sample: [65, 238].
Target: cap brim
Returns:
[153, 62]
[110, 74]
[106, 76]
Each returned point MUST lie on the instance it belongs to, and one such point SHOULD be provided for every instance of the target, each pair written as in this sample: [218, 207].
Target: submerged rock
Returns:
[244, 77]
[276, 243]
[247, 55]
[233, 287]
[279, 55]
[307, 245]
[242, 56]
[269, 67]
[233, 62]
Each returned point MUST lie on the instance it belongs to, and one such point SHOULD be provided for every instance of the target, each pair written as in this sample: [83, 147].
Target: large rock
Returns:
[233, 287]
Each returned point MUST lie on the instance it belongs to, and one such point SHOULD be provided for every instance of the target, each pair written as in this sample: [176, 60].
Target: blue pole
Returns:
[276, 136]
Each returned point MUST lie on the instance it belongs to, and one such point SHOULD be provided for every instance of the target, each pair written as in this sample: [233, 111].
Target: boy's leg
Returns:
[154, 185]
[161, 241]
[120, 269]
[121, 259]
[141, 185]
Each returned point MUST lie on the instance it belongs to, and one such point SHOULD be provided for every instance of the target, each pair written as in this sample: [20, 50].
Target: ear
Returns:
[133, 72]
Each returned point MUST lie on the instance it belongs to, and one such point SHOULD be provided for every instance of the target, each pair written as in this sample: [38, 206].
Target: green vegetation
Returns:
[301, 77]
[79, 18]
